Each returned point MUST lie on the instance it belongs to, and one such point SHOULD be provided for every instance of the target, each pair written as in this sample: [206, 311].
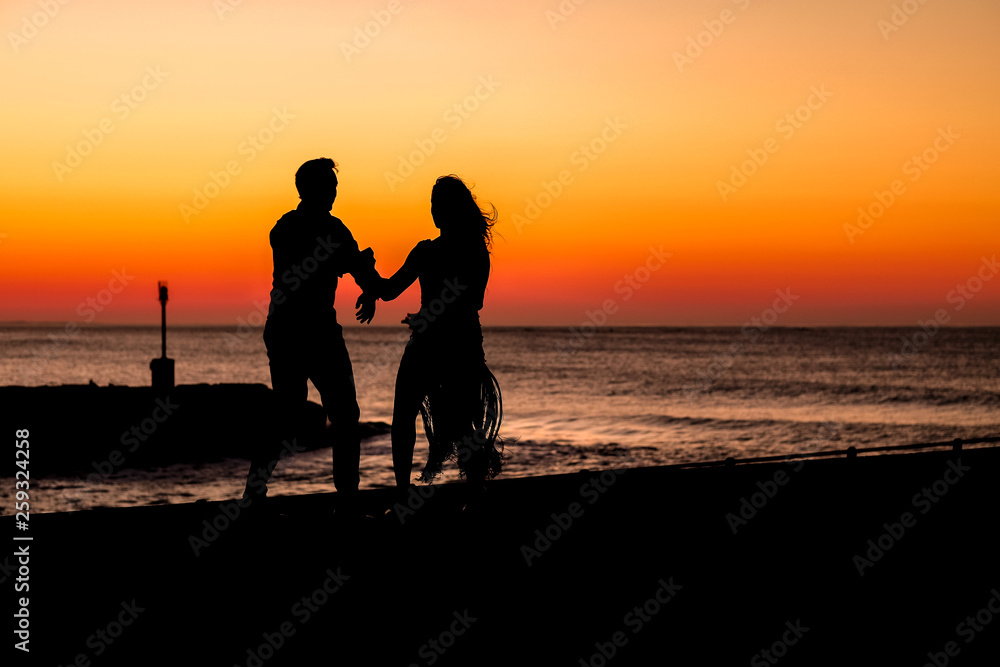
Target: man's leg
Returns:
[333, 376]
[288, 382]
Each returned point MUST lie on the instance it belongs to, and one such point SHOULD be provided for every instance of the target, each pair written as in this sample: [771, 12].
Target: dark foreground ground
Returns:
[640, 567]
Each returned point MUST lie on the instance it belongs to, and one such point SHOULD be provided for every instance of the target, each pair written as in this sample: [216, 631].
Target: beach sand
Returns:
[640, 566]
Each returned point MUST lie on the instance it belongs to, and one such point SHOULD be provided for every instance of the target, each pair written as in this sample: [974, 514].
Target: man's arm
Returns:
[359, 263]
[362, 269]
[364, 274]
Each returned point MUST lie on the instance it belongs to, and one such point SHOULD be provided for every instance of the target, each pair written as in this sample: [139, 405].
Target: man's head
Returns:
[316, 181]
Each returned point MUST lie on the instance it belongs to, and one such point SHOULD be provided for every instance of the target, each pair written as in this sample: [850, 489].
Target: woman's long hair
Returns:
[455, 207]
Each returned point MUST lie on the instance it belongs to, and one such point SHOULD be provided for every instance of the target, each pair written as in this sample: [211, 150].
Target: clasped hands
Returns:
[366, 302]
[373, 292]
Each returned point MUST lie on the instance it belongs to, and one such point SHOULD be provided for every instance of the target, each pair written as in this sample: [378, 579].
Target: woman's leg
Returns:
[405, 408]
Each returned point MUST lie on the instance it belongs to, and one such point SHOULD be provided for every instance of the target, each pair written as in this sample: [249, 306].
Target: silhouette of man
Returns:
[312, 250]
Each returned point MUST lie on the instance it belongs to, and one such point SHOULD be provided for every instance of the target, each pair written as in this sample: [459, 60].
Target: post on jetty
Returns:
[163, 368]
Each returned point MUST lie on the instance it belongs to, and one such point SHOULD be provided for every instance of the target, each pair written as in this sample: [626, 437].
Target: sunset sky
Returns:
[739, 137]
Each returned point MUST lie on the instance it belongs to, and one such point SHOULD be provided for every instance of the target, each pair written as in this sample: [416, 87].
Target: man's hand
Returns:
[366, 308]
[367, 260]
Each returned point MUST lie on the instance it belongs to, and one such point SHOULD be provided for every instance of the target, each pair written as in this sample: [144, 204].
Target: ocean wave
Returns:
[840, 393]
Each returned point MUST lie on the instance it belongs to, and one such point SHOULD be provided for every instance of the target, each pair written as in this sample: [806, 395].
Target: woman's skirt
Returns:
[462, 407]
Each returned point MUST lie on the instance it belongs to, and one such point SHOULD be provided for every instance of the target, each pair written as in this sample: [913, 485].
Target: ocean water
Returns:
[614, 397]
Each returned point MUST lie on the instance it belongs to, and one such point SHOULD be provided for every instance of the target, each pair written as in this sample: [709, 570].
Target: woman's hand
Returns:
[366, 308]
[416, 321]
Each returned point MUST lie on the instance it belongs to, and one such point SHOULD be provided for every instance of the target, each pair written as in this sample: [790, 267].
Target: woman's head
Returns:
[455, 211]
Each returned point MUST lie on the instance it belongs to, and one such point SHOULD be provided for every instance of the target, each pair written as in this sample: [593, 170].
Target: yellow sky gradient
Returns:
[280, 73]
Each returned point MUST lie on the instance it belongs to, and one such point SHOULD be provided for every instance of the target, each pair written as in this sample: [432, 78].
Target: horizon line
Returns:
[191, 325]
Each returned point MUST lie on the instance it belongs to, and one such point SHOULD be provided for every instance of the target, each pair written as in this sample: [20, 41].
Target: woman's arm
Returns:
[392, 287]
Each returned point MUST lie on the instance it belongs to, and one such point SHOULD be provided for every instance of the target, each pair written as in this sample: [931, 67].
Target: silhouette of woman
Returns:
[443, 374]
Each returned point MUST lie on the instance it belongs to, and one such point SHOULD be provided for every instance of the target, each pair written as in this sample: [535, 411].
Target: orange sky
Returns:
[162, 95]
